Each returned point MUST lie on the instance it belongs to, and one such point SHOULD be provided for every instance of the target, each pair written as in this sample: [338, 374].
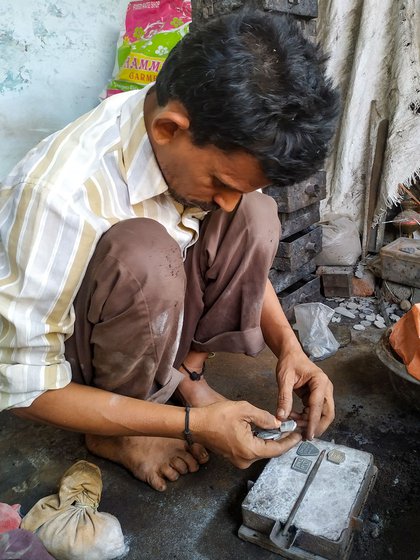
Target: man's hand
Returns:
[295, 372]
[226, 428]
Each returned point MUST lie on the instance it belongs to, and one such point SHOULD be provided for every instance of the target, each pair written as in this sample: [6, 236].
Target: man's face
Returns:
[208, 178]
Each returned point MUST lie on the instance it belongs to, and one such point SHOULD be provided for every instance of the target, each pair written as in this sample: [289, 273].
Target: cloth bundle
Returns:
[69, 524]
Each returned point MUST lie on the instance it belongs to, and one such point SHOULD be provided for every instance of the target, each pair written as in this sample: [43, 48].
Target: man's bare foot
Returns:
[151, 459]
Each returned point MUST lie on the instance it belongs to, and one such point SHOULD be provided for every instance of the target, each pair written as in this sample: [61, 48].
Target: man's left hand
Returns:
[295, 372]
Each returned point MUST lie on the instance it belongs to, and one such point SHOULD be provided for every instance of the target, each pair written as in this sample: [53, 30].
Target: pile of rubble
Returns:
[363, 312]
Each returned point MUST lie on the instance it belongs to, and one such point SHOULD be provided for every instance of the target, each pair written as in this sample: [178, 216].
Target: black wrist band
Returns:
[187, 433]
[194, 375]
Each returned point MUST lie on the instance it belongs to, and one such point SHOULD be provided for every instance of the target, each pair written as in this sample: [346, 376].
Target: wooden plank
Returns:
[378, 136]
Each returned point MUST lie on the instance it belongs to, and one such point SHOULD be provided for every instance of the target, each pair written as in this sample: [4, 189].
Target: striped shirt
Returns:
[54, 207]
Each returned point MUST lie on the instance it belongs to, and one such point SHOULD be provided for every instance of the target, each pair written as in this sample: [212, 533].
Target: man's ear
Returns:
[170, 120]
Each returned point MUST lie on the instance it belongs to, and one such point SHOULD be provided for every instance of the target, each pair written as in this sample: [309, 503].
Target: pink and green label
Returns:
[152, 29]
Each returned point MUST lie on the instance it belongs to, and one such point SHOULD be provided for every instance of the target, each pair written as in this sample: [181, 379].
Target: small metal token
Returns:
[288, 426]
[336, 456]
[308, 449]
[268, 434]
[301, 464]
[276, 433]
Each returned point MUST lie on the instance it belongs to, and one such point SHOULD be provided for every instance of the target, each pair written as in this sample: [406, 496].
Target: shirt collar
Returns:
[142, 173]
[143, 176]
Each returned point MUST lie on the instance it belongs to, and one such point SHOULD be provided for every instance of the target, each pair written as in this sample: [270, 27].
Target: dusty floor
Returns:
[199, 516]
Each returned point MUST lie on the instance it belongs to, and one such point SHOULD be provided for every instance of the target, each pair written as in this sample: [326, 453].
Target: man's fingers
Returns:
[285, 398]
[262, 418]
[269, 448]
[321, 411]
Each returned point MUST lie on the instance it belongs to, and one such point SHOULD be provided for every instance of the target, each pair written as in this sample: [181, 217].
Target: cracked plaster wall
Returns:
[55, 59]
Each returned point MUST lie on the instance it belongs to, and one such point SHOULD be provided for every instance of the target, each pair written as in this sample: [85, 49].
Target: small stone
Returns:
[379, 324]
[409, 250]
[345, 312]
[375, 518]
[394, 317]
[339, 299]
[358, 327]
[336, 320]
[366, 323]
[379, 318]
[352, 305]
[362, 315]
[375, 533]
[371, 317]
[405, 305]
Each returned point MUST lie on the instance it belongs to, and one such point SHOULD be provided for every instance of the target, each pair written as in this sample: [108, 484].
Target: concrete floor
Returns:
[199, 516]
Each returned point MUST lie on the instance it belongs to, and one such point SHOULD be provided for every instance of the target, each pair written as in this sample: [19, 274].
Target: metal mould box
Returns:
[317, 525]
[282, 280]
[298, 249]
[293, 222]
[301, 8]
[303, 291]
[401, 261]
[336, 280]
[203, 9]
[299, 195]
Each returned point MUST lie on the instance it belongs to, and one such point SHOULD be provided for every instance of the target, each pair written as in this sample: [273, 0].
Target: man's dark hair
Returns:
[250, 81]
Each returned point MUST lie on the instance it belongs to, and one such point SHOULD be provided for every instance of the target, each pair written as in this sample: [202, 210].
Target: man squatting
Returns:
[135, 241]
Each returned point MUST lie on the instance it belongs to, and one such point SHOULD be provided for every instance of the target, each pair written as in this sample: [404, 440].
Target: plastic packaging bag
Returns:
[312, 323]
[9, 517]
[22, 545]
[152, 29]
[340, 242]
[68, 523]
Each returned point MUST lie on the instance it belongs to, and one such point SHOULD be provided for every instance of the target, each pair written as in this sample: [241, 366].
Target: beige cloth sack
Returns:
[69, 524]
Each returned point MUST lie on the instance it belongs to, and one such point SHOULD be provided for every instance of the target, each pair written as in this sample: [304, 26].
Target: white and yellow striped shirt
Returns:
[55, 205]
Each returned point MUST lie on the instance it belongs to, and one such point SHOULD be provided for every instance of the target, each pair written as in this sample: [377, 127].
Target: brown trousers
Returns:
[138, 294]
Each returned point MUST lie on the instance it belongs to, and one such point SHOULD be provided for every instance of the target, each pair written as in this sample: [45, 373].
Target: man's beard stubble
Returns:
[205, 206]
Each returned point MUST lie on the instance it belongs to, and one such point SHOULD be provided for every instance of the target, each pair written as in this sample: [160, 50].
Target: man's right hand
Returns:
[226, 428]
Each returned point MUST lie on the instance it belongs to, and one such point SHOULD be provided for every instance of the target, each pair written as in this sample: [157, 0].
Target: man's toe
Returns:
[179, 465]
[169, 472]
[189, 460]
[156, 481]
[200, 453]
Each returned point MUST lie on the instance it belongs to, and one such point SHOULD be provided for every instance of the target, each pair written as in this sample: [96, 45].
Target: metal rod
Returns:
[308, 482]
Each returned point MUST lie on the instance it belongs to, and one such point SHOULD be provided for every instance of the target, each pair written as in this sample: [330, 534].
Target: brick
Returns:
[365, 286]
